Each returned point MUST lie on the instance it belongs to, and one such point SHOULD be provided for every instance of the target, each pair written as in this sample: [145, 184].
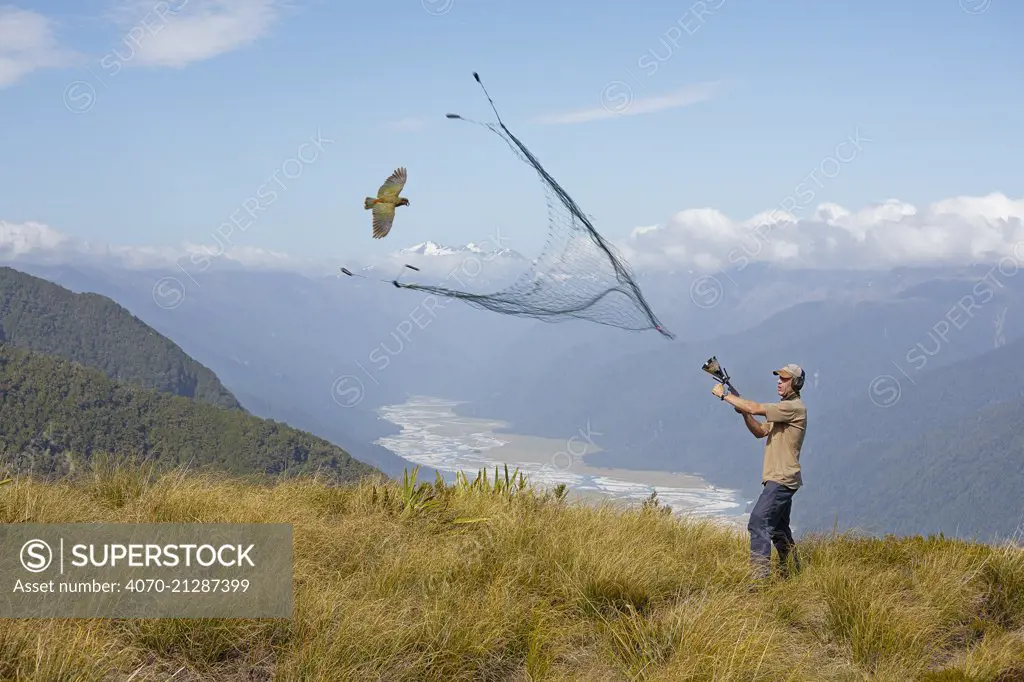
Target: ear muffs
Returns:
[798, 382]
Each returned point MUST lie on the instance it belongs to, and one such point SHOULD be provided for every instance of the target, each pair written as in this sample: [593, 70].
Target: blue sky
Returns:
[188, 124]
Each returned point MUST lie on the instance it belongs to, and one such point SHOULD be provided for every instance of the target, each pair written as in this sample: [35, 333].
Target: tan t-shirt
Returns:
[788, 419]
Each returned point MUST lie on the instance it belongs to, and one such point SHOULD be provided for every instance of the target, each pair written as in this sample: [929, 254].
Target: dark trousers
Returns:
[769, 525]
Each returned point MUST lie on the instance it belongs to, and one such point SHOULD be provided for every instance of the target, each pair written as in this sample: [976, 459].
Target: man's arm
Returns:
[759, 429]
[781, 412]
[748, 408]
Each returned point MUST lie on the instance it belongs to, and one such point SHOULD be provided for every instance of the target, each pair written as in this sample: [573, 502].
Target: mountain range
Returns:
[282, 341]
[429, 248]
[81, 377]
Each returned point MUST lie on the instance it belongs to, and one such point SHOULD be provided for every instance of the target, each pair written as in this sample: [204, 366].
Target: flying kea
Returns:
[384, 205]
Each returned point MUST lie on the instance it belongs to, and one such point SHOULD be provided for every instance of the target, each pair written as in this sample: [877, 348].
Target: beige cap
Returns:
[789, 371]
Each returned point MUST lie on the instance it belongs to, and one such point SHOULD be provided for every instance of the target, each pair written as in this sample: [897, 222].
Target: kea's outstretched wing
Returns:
[393, 185]
[383, 217]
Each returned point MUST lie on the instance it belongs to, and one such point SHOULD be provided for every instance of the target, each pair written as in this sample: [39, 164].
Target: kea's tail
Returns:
[369, 202]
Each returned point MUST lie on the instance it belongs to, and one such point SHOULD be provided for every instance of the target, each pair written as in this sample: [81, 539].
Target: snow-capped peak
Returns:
[430, 248]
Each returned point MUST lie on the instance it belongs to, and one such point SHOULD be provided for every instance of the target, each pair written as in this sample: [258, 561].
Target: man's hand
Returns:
[719, 392]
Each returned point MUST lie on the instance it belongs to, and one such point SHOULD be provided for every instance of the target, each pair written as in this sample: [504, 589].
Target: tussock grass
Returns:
[492, 580]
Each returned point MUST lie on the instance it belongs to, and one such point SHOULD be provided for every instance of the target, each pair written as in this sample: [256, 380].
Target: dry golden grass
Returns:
[412, 581]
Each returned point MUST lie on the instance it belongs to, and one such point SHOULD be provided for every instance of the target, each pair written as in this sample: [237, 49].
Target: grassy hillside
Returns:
[388, 585]
[56, 413]
[94, 331]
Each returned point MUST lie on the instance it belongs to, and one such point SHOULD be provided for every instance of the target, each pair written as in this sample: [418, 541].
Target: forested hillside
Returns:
[963, 479]
[95, 331]
[56, 411]
[945, 456]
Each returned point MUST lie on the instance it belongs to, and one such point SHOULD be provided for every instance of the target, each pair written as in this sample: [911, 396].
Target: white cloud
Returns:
[956, 231]
[175, 33]
[617, 100]
[39, 243]
[32, 238]
[27, 44]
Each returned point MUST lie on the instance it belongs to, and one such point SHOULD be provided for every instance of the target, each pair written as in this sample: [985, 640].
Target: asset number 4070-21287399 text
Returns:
[187, 585]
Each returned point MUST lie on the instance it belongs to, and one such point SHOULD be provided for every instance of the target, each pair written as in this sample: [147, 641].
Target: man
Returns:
[785, 426]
